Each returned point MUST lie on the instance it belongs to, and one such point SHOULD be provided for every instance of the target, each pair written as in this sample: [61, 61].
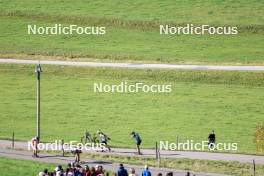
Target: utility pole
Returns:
[254, 168]
[38, 71]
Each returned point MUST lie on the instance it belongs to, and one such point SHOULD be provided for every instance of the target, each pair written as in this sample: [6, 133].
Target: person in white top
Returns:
[104, 139]
[132, 172]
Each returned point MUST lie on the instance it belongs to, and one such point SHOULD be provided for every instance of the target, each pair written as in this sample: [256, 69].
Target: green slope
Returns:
[133, 30]
[231, 103]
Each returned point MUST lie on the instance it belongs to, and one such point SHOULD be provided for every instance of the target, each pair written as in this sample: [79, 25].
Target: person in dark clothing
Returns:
[78, 170]
[78, 151]
[211, 139]
[122, 171]
[93, 172]
[169, 174]
[136, 136]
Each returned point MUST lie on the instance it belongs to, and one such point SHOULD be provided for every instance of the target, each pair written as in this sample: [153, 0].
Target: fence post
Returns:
[254, 168]
[62, 148]
[13, 140]
[177, 141]
[156, 150]
[86, 135]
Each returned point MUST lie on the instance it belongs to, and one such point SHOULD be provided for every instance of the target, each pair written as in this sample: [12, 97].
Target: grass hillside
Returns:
[11, 167]
[231, 103]
[211, 12]
[133, 30]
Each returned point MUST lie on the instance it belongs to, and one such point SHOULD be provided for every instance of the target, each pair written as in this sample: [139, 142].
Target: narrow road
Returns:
[136, 65]
[242, 158]
[56, 159]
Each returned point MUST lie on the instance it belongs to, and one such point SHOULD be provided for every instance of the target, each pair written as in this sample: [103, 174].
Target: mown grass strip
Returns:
[245, 78]
[151, 25]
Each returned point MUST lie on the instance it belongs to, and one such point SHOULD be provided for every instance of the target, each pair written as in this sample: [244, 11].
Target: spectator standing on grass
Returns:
[99, 171]
[122, 171]
[146, 171]
[59, 171]
[169, 174]
[69, 172]
[78, 170]
[93, 172]
[132, 172]
[188, 174]
[136, 136]
[69, 166]
[43, 173]
[211, 139]
[86, 171]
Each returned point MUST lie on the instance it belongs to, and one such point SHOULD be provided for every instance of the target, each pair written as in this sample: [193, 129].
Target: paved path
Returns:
[49, 158]
[136, 65]
[167, 154]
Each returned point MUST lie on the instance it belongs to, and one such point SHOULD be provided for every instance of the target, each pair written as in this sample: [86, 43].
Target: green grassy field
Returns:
[214, 12]
[11, 167]
[133, 32]
[223, 167]
[231, 103]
